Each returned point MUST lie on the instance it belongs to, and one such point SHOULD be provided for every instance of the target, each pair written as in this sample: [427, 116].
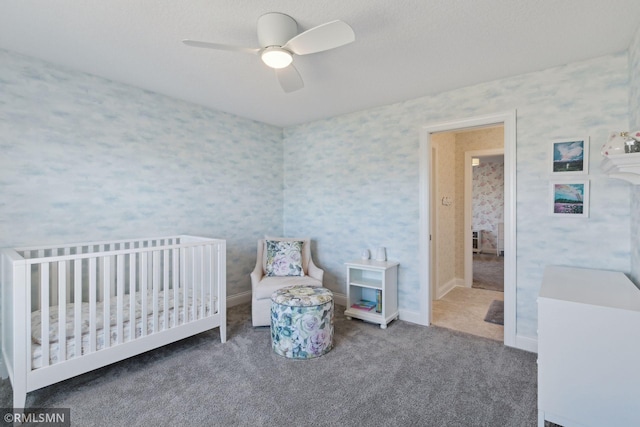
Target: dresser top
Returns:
[587, 286]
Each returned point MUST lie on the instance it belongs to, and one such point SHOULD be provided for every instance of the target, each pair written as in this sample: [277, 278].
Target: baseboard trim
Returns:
[411, 316]
[237, 299]
[526, 343]
[340, 299]
[448, 287]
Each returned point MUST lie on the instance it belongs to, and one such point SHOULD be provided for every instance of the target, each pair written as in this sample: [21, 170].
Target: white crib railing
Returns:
[74, 308]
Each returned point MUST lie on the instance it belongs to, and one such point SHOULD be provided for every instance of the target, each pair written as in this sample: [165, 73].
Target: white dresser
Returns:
[588, 348]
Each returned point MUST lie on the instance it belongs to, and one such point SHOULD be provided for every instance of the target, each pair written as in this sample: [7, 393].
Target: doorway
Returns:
[467, 190]
[427, 199]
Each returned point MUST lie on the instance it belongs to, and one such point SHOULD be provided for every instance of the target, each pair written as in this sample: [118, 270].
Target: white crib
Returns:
[69, 309]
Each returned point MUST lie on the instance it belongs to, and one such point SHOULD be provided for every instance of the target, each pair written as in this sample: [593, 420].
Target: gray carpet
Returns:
[402, 376]
[488, 272]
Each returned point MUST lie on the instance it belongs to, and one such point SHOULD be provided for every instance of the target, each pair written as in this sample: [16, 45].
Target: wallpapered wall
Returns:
[87, 159]
[351, 181]
[445, 235]
[634, 124]
[84, 159]
[488, 201]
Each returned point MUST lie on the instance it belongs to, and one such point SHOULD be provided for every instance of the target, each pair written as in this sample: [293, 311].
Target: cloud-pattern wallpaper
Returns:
[87, 159]
[351, 182]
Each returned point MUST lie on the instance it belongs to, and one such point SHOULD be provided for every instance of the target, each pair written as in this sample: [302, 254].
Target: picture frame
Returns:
[569, 199]
[569, 156]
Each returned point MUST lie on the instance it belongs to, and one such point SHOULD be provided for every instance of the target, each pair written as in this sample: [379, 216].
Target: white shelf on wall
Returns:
[623, 166]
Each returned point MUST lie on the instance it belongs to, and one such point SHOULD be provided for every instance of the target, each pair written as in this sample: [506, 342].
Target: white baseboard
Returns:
[340, 299]
[411, 316]
[242, 297]
[526, 343]
[448, 287]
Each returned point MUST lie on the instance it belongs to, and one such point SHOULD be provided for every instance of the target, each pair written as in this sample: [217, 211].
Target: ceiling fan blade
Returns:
[219, 46]
[323, 37]
[289, 79]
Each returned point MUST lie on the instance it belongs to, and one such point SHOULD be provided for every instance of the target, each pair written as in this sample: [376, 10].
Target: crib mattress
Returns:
[54, 344]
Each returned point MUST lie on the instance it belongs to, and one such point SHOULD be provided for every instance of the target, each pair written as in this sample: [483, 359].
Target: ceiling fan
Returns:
[279, 41]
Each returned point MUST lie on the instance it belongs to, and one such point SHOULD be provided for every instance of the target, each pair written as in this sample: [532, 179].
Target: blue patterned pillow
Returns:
[284, 258]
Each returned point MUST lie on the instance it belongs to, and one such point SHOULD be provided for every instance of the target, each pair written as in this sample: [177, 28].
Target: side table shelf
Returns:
[372, 286]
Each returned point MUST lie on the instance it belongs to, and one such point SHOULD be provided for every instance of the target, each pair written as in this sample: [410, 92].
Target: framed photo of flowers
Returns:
[569, 199]
[569, 156]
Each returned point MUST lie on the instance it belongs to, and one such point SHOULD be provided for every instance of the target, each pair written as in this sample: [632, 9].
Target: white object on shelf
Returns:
[623, 166]
[374, 281]
[588, 323]
[476, 241]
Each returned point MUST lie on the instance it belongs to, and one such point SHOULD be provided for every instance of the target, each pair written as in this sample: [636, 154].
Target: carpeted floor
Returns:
[404, 375]
[488, 272]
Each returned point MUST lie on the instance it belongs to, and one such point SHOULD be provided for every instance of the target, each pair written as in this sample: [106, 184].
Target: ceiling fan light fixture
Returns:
[276, 57]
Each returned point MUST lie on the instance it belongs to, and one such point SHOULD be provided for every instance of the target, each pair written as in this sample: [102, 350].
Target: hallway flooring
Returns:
[464, 309]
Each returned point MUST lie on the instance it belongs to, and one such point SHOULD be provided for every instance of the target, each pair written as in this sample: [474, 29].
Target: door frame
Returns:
[508, 120]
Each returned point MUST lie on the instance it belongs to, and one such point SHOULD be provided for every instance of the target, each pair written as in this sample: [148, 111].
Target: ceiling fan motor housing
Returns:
[276, 29]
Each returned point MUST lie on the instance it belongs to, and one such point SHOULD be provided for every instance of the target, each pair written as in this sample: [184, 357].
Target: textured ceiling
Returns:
[403, 49]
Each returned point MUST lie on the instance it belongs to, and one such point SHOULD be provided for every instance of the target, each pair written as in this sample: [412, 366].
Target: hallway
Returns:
[463, 309]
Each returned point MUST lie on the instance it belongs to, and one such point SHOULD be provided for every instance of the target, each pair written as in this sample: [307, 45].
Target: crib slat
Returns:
[132, 297]
[120, 298]
[176, 293]
[165, 287]
[68, 287]
[192, 283]
[100, 295]
[77, 306]
[201, 256]
[44, 312]
[211, 285]
[156, 285]
[144, 259]
[106, 303]
[93, 316]
[183, 275]
[29, 286]
[62, 311]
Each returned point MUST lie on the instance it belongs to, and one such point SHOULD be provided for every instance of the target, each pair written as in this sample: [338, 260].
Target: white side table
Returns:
[372, 291]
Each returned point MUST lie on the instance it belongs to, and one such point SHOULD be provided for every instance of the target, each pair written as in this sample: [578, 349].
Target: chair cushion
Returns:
[284, 258]
[306, 253]
[268, 285]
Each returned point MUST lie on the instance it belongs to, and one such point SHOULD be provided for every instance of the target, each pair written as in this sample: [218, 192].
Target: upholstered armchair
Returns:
[267, 278]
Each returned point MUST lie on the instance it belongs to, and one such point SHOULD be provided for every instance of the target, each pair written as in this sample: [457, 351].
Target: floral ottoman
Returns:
[301, 321]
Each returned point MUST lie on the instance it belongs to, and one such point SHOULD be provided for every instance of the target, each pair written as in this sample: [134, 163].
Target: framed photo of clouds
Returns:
[570, 156]
[569, 199]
